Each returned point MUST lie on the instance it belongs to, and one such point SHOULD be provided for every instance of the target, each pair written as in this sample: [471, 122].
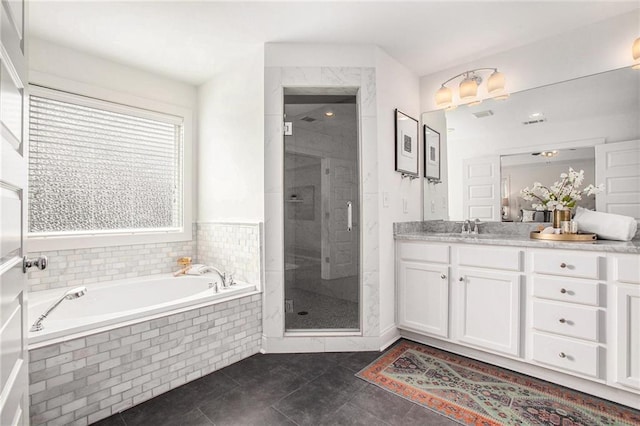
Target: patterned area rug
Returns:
[475, 393]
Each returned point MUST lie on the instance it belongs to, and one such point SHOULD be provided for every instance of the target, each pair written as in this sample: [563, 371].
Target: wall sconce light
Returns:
[635, 51]
[468, 88]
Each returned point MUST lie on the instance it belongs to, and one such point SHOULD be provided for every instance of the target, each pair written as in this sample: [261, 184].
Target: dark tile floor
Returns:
[281, 389]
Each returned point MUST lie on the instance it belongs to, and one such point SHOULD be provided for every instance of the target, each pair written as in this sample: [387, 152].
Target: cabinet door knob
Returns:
[562, 320]
[562, 355]
[563, 290]
[563, 265]
[443, 276]
[461, 279]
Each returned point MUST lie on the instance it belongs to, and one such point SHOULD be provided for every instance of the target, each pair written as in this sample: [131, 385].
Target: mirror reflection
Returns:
[522, 170]
[493, 148]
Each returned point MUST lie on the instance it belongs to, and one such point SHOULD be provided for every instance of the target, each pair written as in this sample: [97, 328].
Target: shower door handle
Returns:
[349, 216]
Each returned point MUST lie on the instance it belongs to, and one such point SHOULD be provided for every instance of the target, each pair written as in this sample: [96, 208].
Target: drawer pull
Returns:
[443, 276]
[563, 265]
[461, 279]
[562, 355]
[563, 290]
[562, 320]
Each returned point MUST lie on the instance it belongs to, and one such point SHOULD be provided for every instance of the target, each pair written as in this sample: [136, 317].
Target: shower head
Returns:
[69, 295]
[75, 293]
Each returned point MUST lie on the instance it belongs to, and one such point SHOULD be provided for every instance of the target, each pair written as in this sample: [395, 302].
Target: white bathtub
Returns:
[117, 303]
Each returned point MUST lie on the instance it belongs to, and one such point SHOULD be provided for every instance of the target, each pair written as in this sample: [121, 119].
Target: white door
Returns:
[340, 214]
[481, 188]
[618, 168]
[14, 396]
[423, 297]
[487, 310]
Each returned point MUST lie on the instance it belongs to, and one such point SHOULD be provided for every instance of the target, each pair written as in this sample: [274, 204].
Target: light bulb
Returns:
[444, 97]
[496, 83]
[635, 50]
[468, 89]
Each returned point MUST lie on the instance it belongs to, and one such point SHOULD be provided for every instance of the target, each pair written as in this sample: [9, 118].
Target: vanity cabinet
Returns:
[625, 292]
[567, 325]
[423, 288]
[570, 316]
[486, 308]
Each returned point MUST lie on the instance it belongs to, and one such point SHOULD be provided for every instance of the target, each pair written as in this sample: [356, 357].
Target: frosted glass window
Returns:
[103, 169]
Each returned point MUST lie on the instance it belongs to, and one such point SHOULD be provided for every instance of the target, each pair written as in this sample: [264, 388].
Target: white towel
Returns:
[608, 226]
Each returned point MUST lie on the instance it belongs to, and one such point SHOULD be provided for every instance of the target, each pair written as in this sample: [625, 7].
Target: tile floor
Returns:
[322, 312]
[281, 389]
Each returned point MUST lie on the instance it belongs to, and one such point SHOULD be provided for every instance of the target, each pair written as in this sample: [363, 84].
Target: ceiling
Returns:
[190, 41]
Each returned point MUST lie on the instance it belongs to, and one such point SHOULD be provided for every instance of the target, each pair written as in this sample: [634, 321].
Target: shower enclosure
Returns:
[321, 212]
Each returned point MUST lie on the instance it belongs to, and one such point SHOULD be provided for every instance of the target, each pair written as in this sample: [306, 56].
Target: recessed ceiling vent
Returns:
[534, 121]
[308, 119]
[483, 114]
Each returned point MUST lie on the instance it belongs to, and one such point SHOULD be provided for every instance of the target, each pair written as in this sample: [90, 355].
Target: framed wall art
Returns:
[407, 161]
[431, 140]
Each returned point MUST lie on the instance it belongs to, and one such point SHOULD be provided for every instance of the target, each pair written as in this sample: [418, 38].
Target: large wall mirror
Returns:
[497, 148]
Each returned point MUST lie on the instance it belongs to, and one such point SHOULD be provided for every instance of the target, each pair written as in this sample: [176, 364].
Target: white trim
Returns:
[93, 95]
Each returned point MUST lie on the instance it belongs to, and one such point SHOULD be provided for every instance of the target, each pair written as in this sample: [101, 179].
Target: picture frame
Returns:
[431, 140]
[406, 155]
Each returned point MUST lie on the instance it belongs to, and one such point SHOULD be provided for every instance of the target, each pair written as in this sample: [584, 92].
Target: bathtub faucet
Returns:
[222, 275]
[69, 295]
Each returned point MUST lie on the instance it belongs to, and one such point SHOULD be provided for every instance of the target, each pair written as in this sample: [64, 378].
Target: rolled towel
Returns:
[608, 226]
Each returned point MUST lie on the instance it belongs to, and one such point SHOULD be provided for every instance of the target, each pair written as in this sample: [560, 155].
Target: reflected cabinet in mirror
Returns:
[497, 148]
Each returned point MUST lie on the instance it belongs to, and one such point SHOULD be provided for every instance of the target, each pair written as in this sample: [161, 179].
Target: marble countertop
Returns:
[632, 246]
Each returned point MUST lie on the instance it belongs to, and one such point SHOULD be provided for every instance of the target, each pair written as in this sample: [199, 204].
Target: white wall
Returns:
[595, 48]
[397, 87]
[50, 63]
[231, 142]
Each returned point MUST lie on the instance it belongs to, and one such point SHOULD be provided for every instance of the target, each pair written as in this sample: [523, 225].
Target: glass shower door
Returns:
[321, 213]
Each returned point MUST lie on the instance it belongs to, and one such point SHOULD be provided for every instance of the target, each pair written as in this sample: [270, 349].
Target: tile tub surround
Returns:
[232, 247]
[83, 380]
[76, 267]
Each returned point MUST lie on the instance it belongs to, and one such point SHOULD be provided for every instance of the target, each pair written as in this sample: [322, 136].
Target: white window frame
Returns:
[107, 99]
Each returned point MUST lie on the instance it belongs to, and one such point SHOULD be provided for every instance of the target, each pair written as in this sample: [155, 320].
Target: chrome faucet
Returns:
[466, 227]
[222, 275]
[475, 224]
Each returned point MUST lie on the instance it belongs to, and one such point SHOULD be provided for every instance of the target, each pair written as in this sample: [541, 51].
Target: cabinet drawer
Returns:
[567, 290]
[567, 263]
[424, 252]
[507, 259]
[626, 268]
[576, 321]
[580, 357]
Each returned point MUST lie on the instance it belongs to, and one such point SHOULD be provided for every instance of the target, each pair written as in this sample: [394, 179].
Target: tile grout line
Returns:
[286, 417]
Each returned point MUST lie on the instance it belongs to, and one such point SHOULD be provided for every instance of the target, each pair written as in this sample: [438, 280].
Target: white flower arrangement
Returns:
[563, 194]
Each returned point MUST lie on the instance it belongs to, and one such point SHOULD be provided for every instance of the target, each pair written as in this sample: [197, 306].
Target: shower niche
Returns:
[321, 213]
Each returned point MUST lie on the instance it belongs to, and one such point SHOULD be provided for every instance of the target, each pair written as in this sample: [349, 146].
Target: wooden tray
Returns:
[585, 238]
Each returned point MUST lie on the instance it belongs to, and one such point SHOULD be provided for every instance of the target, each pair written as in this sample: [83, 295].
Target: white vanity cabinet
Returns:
[423, 287]
[567, 314]
[487, 297]
[570, 316]
[624, 290]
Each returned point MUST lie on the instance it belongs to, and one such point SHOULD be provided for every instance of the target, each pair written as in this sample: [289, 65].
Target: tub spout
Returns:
[222, 275]
[69, 295]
